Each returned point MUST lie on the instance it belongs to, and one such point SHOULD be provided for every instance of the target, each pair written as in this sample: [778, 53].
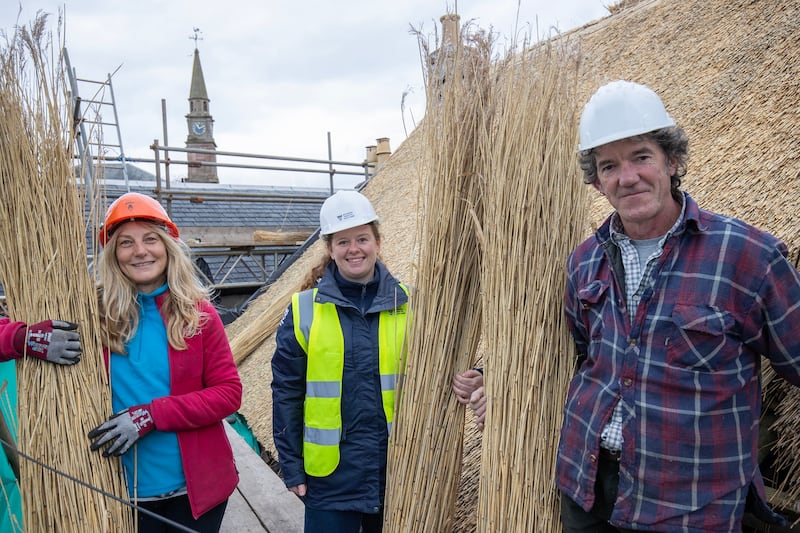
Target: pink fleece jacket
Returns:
[204, 389]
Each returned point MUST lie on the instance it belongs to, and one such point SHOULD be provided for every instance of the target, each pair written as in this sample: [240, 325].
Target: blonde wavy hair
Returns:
[119, 307]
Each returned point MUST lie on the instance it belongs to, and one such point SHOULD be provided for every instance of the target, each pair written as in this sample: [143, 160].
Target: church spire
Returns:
[201, 126]
[198, 88]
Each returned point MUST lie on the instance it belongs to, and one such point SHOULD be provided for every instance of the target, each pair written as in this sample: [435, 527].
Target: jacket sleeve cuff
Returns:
[293, 481]
[12, 340]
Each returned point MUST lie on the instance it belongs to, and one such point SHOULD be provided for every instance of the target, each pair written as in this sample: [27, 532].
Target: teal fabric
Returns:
[239, 424]
[10, 500]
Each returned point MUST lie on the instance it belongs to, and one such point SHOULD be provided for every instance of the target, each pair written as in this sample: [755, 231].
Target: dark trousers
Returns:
[177, 510]
[576, 520]
[317, 521]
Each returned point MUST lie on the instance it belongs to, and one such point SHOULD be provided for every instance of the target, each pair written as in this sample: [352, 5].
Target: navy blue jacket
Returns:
[359, 482]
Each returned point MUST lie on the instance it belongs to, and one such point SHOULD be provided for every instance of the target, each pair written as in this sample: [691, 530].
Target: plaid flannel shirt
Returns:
[685, 369]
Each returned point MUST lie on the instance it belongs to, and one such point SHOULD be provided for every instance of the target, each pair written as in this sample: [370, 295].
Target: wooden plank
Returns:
[260, 496]
[280, 237]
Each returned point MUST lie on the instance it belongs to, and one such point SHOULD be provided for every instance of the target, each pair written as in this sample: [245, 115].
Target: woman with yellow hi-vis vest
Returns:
[340, 350]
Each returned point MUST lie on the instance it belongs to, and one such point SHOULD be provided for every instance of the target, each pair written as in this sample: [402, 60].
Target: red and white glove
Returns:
[122, 430]
[56, 341]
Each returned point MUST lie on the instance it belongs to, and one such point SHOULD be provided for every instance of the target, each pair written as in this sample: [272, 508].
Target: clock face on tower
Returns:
[199, 128]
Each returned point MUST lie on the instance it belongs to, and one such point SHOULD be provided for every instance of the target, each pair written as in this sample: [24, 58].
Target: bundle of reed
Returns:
[44, 272]
[427, 436]
[262, 325]
[781, 416]
[535, 205]
[786, 426]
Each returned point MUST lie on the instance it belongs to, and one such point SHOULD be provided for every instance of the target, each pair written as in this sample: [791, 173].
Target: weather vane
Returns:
[196, 37]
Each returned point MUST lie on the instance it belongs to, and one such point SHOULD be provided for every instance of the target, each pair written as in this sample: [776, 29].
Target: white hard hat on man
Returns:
[344, 210]
[618, 110]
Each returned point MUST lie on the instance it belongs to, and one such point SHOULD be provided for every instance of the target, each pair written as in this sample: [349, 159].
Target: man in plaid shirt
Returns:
[671, 308]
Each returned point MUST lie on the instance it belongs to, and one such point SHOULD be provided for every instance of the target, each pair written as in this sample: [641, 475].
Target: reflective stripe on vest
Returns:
[316, 325]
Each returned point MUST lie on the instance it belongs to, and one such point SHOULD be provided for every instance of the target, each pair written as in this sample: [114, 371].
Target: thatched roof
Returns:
[728, 72]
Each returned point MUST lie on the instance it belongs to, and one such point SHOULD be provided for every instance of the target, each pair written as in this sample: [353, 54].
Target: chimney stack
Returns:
[382, 152]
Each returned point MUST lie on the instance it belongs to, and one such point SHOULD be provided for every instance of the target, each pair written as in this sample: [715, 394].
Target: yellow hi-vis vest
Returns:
[319, 333]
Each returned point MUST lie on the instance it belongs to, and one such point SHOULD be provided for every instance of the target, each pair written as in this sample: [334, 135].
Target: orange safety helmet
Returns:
[134, 206]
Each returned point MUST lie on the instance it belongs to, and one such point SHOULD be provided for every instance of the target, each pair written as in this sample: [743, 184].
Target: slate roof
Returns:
[299, 210]
[272, 215]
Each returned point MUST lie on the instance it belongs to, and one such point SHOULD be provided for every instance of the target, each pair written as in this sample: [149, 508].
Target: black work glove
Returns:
[56, 341]
[122, 430]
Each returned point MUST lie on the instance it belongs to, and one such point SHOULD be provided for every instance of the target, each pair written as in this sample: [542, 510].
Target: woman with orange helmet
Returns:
[172, 374]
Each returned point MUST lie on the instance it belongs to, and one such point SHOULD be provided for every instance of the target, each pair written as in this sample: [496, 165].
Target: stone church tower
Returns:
[201, 129]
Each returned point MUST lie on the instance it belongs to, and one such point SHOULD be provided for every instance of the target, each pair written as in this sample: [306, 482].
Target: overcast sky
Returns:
[279, 74]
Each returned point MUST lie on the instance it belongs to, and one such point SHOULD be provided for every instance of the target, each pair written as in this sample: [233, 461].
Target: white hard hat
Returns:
[619, 110]
[345, 210]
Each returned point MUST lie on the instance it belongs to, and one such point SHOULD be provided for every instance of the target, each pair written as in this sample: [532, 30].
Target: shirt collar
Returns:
[618, 231]
[159, 291]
